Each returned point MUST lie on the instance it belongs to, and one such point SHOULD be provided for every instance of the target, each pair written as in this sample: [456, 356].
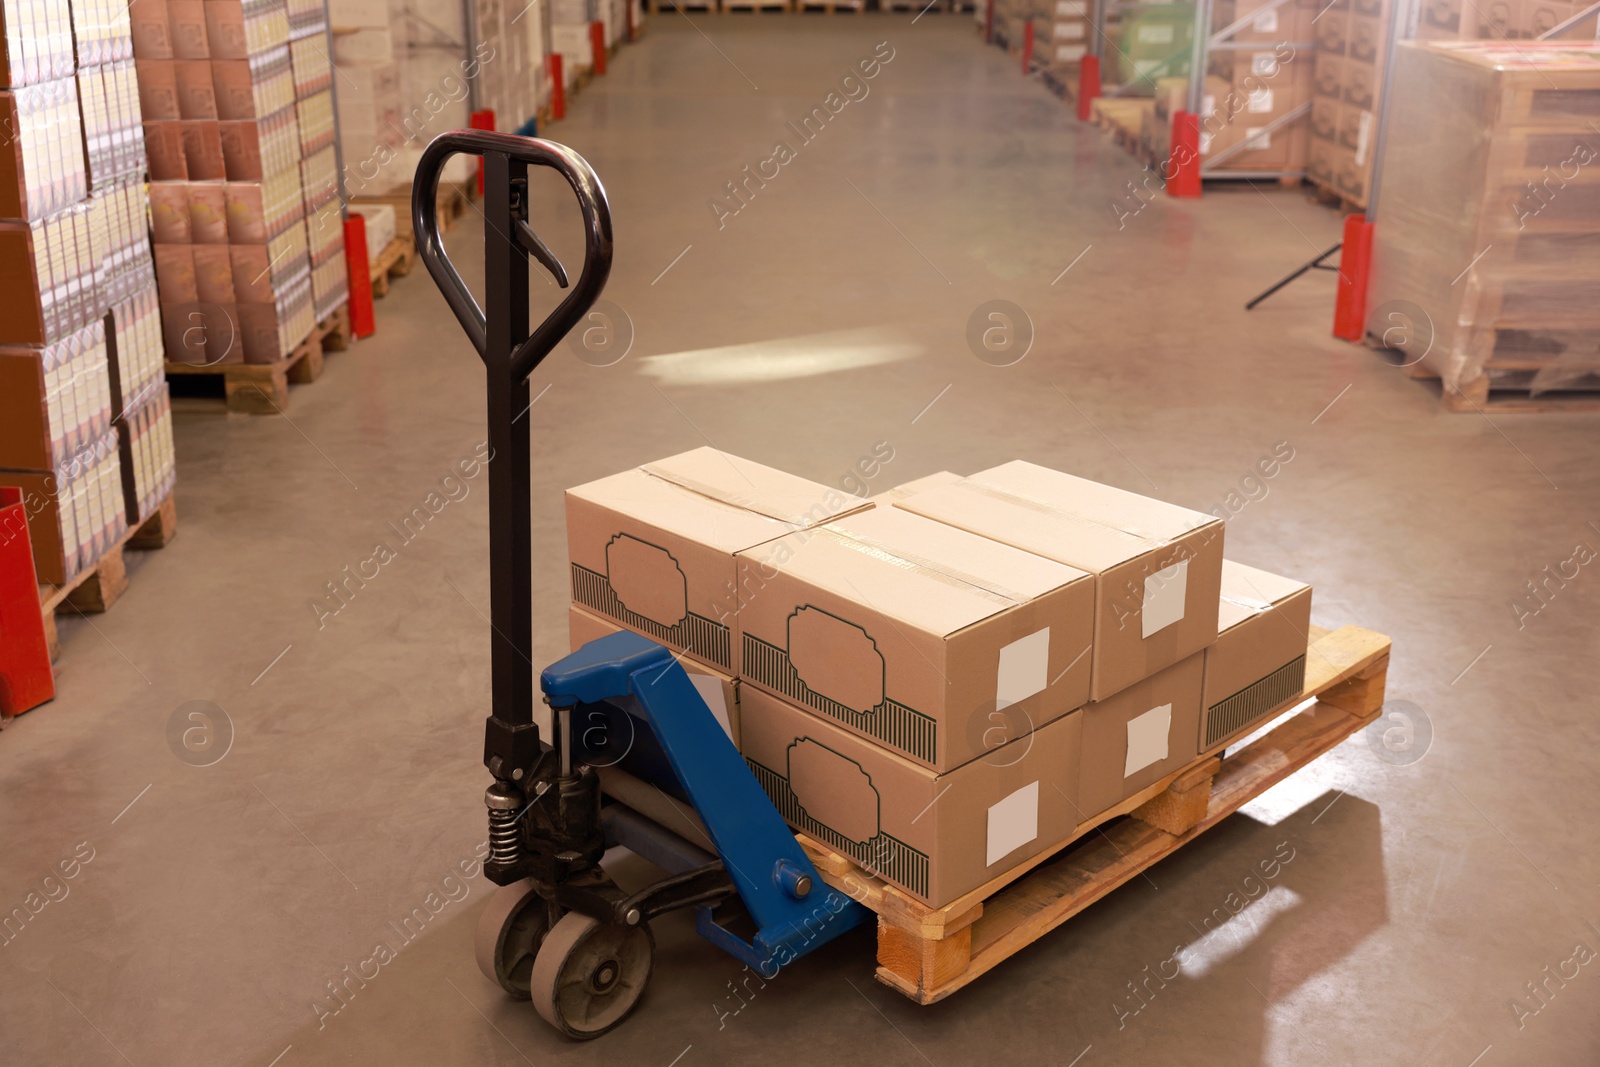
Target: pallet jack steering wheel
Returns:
[559, 931]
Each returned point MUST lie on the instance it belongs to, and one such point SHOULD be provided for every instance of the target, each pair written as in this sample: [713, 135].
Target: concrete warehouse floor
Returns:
[218, 903]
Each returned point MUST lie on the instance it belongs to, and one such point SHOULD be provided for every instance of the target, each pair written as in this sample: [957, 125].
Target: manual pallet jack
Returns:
[559, 931]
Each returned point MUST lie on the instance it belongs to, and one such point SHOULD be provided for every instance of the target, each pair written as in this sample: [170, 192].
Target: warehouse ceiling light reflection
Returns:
[783, 359]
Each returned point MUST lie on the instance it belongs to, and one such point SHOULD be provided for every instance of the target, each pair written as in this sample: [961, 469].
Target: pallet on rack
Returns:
[395, 261]
[263, 388]
[1124, 120]
[1323, 193]
[100, 585]
[755, 5]
[830, 7]
[928, 953]
[658, 6]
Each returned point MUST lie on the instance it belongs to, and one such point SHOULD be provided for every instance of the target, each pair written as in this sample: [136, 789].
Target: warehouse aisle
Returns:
[317, 910]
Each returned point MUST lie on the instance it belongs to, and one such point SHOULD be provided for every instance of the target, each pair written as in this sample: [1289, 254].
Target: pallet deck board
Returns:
[263, 388]
[928, 952]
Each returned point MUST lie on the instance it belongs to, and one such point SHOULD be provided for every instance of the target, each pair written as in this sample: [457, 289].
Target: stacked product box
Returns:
[77, 328]
[1491, 199]
[951, 677]
[1062, 37]
[569, 37]
[1347, 75]
[1351, 39]
[312, 72]
[513, 81]
[228, 162]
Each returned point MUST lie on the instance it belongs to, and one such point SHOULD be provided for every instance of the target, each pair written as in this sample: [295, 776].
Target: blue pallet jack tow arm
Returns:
[560, 931]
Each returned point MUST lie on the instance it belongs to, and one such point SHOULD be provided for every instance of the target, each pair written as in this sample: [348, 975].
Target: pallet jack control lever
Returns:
[510, 354]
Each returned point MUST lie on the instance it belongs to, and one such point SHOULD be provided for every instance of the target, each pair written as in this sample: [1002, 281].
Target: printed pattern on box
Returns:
[1235, 714]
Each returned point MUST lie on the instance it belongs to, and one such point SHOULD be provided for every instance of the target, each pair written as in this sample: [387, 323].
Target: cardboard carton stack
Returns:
[953, 676]
[1491, 206]
[1352, 38]
[80, 353]
[1061, 33]
[230, 163]
[569, 37]
[319, 170]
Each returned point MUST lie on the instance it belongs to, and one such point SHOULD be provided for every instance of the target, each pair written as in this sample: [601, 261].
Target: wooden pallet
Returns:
[1325, 194]
[98, 587]
[263, 388]
[1123, 120]
[928, 953]
[755, 5]
[395, 261]
[450, 205]
[830, 7]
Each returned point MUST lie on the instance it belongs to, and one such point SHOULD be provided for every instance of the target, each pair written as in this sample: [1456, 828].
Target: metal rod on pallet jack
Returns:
[1404, 27]
[1560, 28]
[1197, 55]
[470, 31]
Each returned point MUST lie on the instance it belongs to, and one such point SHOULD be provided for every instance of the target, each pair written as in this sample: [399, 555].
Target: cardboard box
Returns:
[1141, 735]
[197, 98]
[175, 274]
[151, 29]
[923, 484]
[188, 21]
[169, 212]
[936, 836]
[213, 273]
[653, 547]
[720, 692]
[225, 30]
[1327, 78]
[208, 220]
[1333, 32]
[1259, 660]
[1157, 566]
[202, 151]
[158, 89]
[938, 643]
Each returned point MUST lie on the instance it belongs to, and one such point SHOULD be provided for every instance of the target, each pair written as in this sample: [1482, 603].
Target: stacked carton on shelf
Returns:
[80, 352]
[1352, 41]
[230, 162]
[950, 677]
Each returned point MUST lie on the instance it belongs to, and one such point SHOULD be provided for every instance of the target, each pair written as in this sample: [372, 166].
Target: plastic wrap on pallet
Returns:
[1486, 262]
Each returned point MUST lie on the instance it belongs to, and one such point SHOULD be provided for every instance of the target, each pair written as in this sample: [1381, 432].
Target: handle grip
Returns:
[596, 237]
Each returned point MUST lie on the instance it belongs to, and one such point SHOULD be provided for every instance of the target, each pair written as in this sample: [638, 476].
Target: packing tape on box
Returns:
[732, 500]
[896, 557]
[1011, 496]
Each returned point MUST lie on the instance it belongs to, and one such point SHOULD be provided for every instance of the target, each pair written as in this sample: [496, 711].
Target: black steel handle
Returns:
[528, 151]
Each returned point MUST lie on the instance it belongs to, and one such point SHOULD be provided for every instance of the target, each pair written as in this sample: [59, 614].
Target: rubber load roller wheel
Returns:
[590, 975]
[510, 930]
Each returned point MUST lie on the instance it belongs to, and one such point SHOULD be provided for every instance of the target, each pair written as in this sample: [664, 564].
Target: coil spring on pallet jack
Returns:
[505, 843]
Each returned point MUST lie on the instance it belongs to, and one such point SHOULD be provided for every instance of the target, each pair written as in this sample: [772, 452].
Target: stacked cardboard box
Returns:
[80, 351]
[1352, 41]
[312, 77]
[236, 174]
[1491, 208]
[953, 676]
[569, 37]
[513, 80]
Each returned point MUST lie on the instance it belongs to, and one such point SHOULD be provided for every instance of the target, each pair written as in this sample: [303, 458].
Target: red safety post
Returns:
[1355, 263]
[26, 680]
[1183, 166]
[597, 42]
[1027, 47]
[1088, 86]
[481, 120]
[633, 30]
[558, 88]
[988, 23]
[363, 318]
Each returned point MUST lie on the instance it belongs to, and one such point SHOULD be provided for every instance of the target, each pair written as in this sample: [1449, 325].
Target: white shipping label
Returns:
[1263, 141]
[1070, 53]
[1266, 22]
[1069, 31]
[1362, 138]
[1024, 669]
[1072, 9]
[1205, 147]
[1208, 104]
[1165, 592]
[1260, 102]
[1159, 34]
[1147, 739]
[1264, 64]
[711, 691]
[1013, 822]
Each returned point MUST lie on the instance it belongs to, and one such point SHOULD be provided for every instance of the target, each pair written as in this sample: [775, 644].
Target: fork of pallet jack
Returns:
[510, 354]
